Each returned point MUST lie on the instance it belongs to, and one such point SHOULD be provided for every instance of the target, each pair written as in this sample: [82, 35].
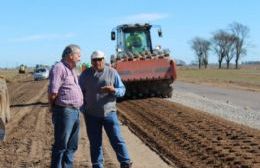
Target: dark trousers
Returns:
[112, 128]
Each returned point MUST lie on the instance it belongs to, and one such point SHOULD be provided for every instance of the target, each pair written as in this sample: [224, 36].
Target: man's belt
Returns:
[66, 106]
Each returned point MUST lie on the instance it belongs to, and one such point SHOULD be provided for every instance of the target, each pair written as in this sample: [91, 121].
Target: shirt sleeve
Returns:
[55, 79]
[119, 86]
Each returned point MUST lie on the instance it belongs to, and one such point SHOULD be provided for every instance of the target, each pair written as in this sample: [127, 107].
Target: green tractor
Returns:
[22, 69]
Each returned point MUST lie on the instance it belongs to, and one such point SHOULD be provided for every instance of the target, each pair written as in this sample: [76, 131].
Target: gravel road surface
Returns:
[236, 105]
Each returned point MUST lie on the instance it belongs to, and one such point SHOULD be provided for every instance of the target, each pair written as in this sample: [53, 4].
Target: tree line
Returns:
[225, 43]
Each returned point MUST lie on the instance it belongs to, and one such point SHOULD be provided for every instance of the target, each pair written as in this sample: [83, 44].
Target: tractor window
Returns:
[135, 41]
[119, 40]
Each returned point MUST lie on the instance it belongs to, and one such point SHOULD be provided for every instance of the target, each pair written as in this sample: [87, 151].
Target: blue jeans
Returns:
[66, 136]
[112, 128]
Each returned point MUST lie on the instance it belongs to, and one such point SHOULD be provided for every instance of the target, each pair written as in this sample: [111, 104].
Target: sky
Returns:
[36, 31]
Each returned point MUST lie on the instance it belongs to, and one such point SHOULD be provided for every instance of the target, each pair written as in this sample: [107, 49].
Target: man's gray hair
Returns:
[70, 49]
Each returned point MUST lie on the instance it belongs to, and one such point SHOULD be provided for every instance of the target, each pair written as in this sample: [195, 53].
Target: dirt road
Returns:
[242, 98]
[179, 136]
[188, 138]
[240, 106]
[30, 133]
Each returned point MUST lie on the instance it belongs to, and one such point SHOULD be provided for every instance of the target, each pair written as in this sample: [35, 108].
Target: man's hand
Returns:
[108, 89]
[51, 98]
[50, 108]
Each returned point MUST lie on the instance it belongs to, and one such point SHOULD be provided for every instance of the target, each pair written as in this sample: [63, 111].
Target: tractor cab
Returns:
[134, 38]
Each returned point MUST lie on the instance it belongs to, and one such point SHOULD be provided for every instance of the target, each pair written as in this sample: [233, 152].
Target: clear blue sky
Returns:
[36, 31]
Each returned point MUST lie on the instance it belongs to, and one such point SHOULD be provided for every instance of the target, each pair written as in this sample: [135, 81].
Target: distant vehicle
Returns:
[38, 66]
[41, 74]
[22, 68]
[180, 62]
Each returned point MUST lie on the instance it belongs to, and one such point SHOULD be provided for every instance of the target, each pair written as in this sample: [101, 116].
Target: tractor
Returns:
[145, 71]
[22, 69]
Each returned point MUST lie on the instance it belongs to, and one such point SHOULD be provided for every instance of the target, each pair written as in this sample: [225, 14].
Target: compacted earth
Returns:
[30, 133]
[185, 137]
[159, 133]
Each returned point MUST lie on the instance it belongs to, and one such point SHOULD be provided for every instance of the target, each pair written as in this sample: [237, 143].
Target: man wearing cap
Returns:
[65, 99]
[101, 85]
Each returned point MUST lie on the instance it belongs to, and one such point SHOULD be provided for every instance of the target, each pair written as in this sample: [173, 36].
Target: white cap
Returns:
[97, 54]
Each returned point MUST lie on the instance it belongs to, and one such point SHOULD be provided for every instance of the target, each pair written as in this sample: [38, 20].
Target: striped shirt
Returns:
[64, 82]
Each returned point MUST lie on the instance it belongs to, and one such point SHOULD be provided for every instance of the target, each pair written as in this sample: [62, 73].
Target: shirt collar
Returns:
[66, 64]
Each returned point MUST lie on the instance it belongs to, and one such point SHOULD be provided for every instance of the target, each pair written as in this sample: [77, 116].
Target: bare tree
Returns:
[230, 47]
[205, 50]
[201, 48]
[242, 33]
[220, 42]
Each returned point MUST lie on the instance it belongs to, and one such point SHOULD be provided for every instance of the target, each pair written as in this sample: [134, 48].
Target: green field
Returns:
[246, 77]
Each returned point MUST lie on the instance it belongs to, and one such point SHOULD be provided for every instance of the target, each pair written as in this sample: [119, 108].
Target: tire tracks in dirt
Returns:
[30, 131]
[23, 106]
[27, 127]
[189, 138]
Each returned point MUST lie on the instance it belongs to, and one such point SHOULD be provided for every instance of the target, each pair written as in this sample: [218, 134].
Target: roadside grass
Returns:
[245, 77]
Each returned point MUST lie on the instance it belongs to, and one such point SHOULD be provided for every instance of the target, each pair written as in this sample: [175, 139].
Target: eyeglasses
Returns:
[97, 59]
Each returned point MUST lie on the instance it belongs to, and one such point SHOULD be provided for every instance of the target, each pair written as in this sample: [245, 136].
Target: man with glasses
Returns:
[101, 85]
[65, 99]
